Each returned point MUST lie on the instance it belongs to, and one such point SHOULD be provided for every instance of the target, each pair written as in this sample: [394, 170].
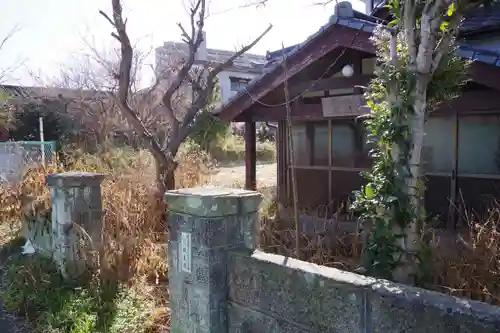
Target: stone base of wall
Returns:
[272, 293]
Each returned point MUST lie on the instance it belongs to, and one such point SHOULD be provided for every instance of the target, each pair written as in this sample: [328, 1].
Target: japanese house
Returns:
[461, 155]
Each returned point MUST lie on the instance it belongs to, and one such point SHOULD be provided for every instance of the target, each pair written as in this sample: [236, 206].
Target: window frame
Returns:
[242, 83]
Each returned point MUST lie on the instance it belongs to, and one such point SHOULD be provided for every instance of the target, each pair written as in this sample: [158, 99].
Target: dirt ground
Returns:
[235, 175]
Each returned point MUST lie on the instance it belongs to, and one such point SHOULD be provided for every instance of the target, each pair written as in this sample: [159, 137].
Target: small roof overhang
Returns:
[341, 32]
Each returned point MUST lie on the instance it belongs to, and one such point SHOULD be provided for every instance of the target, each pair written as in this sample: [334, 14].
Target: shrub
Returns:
[467, 265]
[265, 133]
[134, 233]
[209, 130]
[58, 126]
[36, 289]
[232, 149]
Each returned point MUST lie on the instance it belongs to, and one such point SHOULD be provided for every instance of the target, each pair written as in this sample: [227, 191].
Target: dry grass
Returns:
[472, 268]
[134, 236]
[134, 246]
[465, 265]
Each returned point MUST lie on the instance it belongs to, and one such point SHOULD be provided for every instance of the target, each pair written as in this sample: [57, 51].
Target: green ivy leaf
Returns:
[369, 192]
[451, 9]
[371, 104]
[444, 25]
[392, 23]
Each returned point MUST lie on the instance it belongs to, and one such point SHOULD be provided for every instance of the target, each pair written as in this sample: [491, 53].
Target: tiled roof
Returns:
[481, 19]
[248, 62]
[488, 53]
[481, 47]
[490, 57]
[358, 21]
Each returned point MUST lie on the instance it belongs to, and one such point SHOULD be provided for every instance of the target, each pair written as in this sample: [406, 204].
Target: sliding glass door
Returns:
[438, 168]
[478, 165]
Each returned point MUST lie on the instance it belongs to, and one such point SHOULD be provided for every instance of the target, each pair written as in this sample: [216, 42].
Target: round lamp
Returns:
[347, 71]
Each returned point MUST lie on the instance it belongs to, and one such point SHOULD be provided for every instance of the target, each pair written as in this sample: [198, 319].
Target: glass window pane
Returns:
[321, 144]
[299, 139]
[478, 145]
[343, 145]
[437, 152]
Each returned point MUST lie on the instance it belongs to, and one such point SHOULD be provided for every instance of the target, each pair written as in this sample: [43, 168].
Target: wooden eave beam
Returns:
[330, 84]
[469, 102]
[484, 74]
[334, 37]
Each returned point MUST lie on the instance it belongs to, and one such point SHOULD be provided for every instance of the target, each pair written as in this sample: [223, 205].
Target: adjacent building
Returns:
[244, 69]
[325, 72]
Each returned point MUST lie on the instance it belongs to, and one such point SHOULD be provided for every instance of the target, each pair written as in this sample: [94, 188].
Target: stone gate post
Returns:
[76, 206]
[206, 223]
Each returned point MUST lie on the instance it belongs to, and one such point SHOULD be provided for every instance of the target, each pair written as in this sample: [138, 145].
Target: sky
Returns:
[52, 34]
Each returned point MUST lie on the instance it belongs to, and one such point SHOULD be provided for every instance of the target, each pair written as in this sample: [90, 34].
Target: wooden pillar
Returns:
[310, 143]
[357, 66]
[281, 164]
[250, 156]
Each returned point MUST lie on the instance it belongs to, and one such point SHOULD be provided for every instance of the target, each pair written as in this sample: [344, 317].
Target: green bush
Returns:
[232, 149]
[266, 151]
[58, 126]
[36, 290]
[209, 130]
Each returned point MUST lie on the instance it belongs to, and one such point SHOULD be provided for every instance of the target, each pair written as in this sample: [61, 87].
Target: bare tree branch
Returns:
[205, 93]
[201, 80]
[444, 43]
[194, 41]
[124, 82]
[10, 34]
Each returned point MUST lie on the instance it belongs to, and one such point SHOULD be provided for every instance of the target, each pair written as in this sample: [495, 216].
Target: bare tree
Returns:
[7, 70]
[90, 84]
[202, 81]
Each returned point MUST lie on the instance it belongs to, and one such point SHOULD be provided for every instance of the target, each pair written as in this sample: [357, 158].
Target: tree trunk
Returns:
[165, 176]
[411, 241]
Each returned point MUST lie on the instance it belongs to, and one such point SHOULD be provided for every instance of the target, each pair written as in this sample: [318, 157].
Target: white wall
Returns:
[225, 82]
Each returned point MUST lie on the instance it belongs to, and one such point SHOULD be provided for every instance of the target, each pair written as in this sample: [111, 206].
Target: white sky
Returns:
[51, 31]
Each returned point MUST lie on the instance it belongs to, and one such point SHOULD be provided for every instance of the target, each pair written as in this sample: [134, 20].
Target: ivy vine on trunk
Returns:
[416, 70]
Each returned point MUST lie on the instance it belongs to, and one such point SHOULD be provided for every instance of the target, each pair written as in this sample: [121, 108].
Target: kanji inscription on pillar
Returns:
[185, 252]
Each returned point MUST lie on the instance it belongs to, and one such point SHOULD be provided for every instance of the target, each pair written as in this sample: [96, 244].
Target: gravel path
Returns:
[235, 175]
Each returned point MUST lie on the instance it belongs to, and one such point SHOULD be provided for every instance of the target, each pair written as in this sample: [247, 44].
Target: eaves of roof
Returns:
[365, 23]
[477, 54]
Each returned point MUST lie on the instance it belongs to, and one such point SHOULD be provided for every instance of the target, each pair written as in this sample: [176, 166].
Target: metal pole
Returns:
[42, 144]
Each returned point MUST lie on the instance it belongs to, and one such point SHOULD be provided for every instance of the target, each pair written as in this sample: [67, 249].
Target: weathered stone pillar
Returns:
[76, 218]
[206, 223]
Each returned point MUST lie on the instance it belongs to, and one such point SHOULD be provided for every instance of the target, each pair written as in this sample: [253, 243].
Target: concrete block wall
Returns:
[219, 283]
[272, 293]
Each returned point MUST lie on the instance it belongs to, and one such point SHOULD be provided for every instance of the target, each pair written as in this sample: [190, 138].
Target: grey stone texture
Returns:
[218, 283]
[205, 224]
[76, 219]
[271, 293]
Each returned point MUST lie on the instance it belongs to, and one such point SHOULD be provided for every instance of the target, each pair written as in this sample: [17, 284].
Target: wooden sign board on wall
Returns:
[341, 106]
